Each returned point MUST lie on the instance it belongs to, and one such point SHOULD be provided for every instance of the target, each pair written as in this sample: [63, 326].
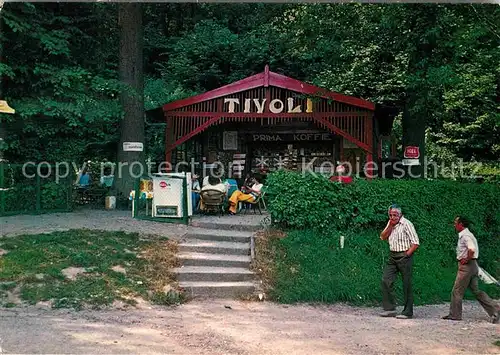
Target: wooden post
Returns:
[369, 156]
[168, 143]
[2, 186]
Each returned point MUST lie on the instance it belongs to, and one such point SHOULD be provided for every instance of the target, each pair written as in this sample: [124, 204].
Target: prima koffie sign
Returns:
[291, 137]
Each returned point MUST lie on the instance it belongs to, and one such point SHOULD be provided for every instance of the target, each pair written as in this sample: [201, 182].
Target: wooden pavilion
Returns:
[269, 115]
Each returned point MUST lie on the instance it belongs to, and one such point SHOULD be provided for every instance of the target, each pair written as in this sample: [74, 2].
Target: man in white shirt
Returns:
[467, 275]
[251, 194]
[214, 184]
[403, 241]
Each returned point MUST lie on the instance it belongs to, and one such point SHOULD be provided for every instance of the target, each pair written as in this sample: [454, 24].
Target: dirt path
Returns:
[208, 327]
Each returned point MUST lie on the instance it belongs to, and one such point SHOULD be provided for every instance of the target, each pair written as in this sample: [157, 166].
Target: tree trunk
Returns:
[416, 111]
[130, 163]
[3, 134]
[414, 125]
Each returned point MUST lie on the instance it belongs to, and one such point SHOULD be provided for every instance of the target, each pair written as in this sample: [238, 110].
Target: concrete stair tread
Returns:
[207, 256]
[211, 270]
[214, 244]
[219, 232]
[186, 284]
[248, 223]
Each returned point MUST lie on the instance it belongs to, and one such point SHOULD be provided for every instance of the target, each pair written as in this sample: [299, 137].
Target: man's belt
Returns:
[398, 253]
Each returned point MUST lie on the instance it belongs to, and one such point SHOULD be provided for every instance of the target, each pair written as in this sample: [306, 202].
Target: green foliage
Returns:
[311, 267]
[308, 202]
[309, 264]
[55, 196]
[62, 86]
[61, 66]
[22, 192]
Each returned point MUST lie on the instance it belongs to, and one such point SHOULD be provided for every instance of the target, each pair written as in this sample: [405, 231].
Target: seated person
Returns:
[83, 181]
[107, 179]
[248, 179]
[214, 173]
[195, 191]
[251, 193]
[213, 184]
[232, 186]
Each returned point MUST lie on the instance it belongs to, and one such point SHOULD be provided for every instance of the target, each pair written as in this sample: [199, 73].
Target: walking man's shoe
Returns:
[403, 316]
[449, 317]
[496, 318]
[388, 314]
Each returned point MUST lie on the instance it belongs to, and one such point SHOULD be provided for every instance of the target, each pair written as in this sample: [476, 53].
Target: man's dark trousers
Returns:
[398, 262]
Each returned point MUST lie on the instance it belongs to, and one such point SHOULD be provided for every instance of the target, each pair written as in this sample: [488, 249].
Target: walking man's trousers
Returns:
[467, 278]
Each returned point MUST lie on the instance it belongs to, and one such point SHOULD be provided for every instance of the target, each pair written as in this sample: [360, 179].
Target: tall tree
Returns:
[130, 163]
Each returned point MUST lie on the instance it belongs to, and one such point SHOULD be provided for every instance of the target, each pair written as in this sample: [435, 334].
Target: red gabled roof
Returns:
[269, 78]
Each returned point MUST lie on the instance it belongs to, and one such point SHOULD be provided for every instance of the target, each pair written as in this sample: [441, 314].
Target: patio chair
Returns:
[213, 201]
[258, 203]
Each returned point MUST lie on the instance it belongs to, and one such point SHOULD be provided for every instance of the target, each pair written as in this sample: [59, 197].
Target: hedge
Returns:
[316, 212]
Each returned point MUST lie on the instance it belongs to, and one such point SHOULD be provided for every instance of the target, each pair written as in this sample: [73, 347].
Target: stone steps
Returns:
[209, 259]
[215, 247]
[232, 225]
[219, 235]
[215, 263]
[213, 274]
[195, 289]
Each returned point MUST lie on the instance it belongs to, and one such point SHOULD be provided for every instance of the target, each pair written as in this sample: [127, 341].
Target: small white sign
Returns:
[230, 140]
[133, 147]
[411, 162]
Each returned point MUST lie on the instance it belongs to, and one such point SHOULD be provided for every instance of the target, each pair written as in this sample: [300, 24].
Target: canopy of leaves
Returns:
[59, 66]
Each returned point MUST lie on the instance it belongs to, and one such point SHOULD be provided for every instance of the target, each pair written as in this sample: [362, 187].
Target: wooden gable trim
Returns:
[265, 79]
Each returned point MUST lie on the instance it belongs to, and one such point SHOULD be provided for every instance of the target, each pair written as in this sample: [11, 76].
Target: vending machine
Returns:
[169, 197]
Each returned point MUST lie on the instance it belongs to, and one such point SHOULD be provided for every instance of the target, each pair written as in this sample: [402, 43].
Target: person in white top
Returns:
[215, 184]
[403, 241]
[467, 275]
[249, 195]
[195, 191]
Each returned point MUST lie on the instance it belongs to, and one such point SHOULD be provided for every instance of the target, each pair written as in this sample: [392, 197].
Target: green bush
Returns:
[54, 195]
[313, 268]
[21, 197]
[316, 212]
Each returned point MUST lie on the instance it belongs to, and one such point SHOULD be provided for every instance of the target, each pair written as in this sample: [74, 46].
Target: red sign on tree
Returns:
[412, 152]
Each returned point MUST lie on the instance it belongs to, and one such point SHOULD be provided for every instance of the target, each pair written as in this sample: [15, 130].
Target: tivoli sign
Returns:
[274, 106]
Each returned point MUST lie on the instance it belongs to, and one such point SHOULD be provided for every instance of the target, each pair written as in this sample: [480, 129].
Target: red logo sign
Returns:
[412, 152]
[163, 184]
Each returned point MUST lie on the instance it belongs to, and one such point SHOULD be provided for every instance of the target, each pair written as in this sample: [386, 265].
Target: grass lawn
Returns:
[80, 268]
[303, 266]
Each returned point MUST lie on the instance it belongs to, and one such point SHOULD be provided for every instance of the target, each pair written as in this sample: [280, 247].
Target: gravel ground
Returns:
[210, 327]
[91, 219]
[113, 221]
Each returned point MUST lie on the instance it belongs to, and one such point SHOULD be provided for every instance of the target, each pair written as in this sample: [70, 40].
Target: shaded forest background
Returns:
[59, 67]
